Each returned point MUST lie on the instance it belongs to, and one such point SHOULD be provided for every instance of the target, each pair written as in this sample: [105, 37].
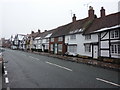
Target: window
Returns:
[46, 46]
[51, 47]
[60, 38]
[72, 49]
[47, 40]
[87, 48]
[59, 47]
[115, 48]
[115, 34]
[52, 39]
[87, 37]
[119, 49]
[73, 37]
[39, 41]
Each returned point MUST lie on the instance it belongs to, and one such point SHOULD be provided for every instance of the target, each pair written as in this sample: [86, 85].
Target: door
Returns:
[95, 51]
[56, 47]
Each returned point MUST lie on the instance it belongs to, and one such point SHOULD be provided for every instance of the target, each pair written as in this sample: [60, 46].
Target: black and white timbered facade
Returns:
[109, 43]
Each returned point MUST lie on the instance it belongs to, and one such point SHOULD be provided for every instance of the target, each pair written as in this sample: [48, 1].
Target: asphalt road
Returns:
[27, 70]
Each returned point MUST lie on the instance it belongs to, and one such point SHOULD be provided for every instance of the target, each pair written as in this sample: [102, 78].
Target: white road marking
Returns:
[59, 66]
[23, 54]
[108, 82]
[8, 88]
[4, 67]
[33, 57]
[5, 73]
[36, 58]
[6, 80]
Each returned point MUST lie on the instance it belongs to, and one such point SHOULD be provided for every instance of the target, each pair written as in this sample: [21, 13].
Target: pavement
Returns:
[29, 70]
[0, 75]
[92, 62]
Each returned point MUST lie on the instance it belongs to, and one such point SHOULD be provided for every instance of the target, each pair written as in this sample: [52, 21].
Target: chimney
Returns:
[102, 12]
[45, 31]
[32, 32]
[91, 12]
[39, 30]
[74, 18]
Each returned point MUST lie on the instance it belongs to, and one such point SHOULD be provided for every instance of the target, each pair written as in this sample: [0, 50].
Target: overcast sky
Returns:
[23, 16]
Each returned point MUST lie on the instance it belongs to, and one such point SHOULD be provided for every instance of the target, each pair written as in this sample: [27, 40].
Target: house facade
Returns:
[104, 36]
[31, 40]
[46, 39]
[71, 36]
[16, 41]
[75, 39]
[57, 45]
[110, 42]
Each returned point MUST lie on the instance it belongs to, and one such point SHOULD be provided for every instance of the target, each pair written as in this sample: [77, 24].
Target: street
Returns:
[27, 70]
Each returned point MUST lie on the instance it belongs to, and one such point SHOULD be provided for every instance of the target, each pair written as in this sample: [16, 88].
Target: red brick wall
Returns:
[64, 49]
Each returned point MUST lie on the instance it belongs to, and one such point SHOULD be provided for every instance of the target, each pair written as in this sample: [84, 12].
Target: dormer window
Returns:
[115, 34]
[87, 37]
[73, 37]
[60, 38]
[52, 39]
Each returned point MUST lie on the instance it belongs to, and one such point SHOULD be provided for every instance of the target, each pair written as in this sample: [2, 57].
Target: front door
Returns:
[56, 47]
[95, 51]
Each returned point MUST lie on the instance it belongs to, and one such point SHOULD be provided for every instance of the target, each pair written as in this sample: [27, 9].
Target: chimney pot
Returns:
[32, 32]
[102, 12]
[74, 18]
[91, 12]
[45, 30]
[39, 30]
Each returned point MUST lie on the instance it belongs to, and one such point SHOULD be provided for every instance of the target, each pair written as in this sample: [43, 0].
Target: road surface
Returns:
[27, 70]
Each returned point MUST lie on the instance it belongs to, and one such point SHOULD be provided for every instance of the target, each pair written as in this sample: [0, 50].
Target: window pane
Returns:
[115, 48]
[87, 48]
[116, 33]
[51, 47]
[112, 34]
[112, 48]
[60, 47]
[118, 49]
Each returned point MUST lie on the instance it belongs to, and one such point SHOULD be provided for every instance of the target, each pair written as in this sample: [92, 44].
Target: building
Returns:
[41, 41]
[31, 38]
[18, 41]
[105, 36]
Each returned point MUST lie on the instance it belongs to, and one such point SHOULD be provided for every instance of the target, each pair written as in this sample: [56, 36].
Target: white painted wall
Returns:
[106, 36]
[105, 53]
[80, 40]
[104, 44]
[94, 38]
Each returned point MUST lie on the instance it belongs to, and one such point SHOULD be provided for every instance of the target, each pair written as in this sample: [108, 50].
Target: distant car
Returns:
[13, 47]
[0, 57]
[1, 50]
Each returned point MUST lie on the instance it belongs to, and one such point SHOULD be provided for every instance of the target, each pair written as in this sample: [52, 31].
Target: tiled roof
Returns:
[70, 28]
[44, 34]
[105, 22]
[34, 34]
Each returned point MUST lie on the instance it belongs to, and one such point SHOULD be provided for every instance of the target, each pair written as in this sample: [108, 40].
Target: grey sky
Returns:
[23, 16]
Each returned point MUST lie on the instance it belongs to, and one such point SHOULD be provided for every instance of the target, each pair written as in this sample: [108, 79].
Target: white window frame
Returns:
[114, 35]
[73, 37]
[52, 39]
[47, 39]
[87, 37]
[60, 47]
[115, 49]
[87, 48]
[46, 46]
[72, 48]
[60, 38]
[51, 47]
